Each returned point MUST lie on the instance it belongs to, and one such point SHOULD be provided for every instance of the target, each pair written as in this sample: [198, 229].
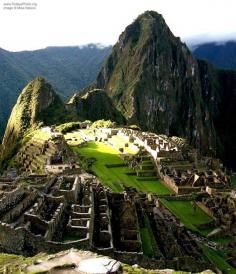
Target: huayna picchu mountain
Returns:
[154, 81]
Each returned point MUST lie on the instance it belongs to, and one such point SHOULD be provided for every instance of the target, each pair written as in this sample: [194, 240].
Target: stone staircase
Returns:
[33, 156]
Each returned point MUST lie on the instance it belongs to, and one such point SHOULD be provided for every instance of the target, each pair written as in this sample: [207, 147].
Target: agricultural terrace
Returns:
[113, 172]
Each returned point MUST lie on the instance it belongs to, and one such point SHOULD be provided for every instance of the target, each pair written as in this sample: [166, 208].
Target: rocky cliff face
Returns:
[219, 94]
[37, 103]
[153, 79]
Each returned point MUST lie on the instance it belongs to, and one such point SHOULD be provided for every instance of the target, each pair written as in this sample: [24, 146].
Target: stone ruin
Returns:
[187, 178]
[222, 208]
[33, 156]
[78, 211]
[60, 211]
[125, 224]
[176, 162]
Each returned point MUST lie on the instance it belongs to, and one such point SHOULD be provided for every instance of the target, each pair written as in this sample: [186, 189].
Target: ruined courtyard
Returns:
[135, 196]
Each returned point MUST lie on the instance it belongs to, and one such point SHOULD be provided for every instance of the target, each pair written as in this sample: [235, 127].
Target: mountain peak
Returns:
[37, 103]
[37, 95]
[150, 14]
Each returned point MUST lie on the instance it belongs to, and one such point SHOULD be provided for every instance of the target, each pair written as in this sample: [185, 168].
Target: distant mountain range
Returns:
[221, 55]
[68, 69]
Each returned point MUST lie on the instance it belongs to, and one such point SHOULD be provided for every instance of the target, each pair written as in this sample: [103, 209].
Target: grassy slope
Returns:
[218, 260]
[12, 264]
[113, 177]
[233, 182]
[184, 211]
[150, 247]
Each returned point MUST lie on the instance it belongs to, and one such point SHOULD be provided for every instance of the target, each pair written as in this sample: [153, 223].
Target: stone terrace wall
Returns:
[11, 240]
[11, 198]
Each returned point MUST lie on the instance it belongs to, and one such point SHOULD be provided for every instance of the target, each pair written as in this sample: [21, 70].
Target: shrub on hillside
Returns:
[134, 127]
[67, 127]
[104, 123]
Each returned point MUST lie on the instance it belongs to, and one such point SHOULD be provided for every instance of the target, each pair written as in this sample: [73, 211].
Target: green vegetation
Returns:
[233, 182]
[103, 123]
[127, 269]
[36, 106]
[67, 127]
[95, 105]
[223, 240]
[119, 142]
[73, 139]
[66, 68]
[70, 238]
[149, 244]
[116, 177]
[190, 217]
[13, 264]
[217, 258]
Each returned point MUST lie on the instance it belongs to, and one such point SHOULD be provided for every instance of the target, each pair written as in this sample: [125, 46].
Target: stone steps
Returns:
[146, 167]
[146, 173]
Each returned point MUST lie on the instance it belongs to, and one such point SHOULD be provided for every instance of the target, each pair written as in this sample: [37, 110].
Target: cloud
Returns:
[210, 37]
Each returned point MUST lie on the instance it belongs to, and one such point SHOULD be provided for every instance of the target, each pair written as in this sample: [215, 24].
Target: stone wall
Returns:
[11, 240]
[19, 208]
[205, 209]
[11, 198]
[170, 183]
[72, 194]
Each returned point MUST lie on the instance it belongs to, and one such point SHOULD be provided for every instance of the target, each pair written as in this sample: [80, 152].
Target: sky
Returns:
[79, 22]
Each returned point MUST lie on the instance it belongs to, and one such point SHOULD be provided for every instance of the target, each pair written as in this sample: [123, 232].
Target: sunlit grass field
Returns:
[116, 177]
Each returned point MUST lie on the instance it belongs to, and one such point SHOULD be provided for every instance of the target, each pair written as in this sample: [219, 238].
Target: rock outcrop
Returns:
[95, 105]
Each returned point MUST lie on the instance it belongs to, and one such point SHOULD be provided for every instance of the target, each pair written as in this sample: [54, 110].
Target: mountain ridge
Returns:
[68, 69]
[221, 55]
